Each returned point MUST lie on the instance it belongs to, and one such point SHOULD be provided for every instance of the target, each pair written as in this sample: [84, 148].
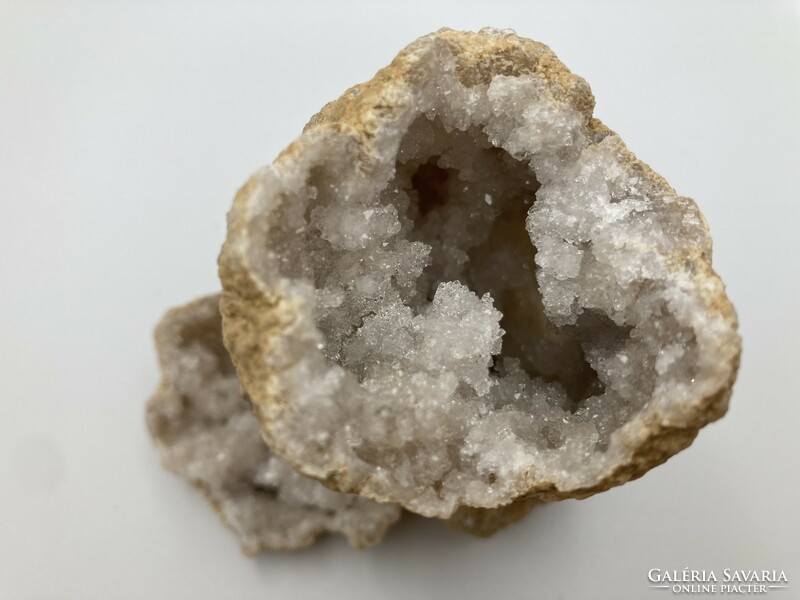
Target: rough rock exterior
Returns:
[457, 290]
[206, 432]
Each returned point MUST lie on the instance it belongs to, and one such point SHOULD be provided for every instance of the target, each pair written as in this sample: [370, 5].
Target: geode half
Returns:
[457, 289]
[207, 433]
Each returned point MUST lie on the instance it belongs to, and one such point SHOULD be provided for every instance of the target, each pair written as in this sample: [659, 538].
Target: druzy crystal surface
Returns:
[459, 289]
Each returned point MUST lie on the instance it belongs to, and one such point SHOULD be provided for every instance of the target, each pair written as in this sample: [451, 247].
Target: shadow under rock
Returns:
[424, 558]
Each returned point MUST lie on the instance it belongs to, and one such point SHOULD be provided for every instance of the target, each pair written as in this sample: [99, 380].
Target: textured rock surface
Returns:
[206, 432]
[458, 290]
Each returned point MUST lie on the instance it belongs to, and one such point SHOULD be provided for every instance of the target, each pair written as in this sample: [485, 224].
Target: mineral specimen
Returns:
[207, 433]
[457, 290]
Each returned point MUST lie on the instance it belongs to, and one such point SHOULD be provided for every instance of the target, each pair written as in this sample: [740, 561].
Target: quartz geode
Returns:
[458, 290]
[206, 432]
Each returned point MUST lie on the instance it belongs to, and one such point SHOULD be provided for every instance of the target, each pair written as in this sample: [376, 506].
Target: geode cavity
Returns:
[457, 289]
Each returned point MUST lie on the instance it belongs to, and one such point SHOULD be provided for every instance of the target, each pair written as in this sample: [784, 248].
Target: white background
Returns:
[125, 129]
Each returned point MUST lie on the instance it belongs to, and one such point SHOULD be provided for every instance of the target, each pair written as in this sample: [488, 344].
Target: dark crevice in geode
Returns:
[430, 182]
[544, 351]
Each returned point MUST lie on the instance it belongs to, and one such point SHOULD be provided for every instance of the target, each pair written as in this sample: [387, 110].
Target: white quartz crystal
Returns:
[457, 288]
[206, 432]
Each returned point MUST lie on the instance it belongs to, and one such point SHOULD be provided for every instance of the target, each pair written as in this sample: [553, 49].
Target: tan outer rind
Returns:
[254, 316]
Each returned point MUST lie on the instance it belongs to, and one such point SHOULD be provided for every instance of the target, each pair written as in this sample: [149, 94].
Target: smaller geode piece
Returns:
[206, 432]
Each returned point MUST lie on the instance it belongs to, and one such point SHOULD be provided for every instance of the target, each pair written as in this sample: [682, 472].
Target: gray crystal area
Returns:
[206, 433]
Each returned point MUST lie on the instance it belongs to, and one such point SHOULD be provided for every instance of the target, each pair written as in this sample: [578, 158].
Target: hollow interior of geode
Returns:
[446, 382]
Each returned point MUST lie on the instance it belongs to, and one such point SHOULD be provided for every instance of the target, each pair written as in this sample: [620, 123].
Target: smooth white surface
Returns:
[125, 129]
